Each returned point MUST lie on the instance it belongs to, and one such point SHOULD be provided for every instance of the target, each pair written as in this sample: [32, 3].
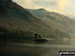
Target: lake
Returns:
[50, 48]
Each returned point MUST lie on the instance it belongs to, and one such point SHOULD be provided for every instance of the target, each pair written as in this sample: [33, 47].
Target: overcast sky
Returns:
[61, 6]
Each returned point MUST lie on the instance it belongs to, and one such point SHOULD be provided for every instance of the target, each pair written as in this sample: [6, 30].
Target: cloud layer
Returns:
[62, 4]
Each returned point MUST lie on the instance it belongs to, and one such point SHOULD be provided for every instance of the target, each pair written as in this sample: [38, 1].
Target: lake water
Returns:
[50, 48]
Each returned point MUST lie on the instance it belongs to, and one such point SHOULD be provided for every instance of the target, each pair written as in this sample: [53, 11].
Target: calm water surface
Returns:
[51, 48]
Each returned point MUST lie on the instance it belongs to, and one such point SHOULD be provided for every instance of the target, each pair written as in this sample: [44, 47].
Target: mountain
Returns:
[17, 22]
[55, 20]
[14, 17]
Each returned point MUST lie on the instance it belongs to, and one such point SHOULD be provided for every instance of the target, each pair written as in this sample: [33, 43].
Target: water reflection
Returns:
[50, 48]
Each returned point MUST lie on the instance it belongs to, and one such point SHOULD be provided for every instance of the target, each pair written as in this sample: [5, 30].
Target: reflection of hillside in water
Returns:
[51, 48]
[21, 49]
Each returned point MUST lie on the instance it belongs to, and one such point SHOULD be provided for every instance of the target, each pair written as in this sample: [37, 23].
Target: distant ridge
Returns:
[55, 20]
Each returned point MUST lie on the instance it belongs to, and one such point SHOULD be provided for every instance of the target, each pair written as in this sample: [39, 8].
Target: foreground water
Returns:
[50, 48]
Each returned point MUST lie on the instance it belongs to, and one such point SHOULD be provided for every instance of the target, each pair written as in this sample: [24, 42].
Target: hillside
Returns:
[55, 20]
[14, 17]
[17, 22]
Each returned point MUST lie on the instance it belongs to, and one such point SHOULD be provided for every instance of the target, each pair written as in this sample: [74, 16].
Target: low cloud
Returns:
[62, 4]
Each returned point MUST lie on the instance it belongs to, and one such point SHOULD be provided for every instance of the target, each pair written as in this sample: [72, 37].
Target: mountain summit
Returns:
[41, 9]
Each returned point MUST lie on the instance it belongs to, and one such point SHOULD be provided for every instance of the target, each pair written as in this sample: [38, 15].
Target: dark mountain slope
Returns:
[14, 17]
[16, 23]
